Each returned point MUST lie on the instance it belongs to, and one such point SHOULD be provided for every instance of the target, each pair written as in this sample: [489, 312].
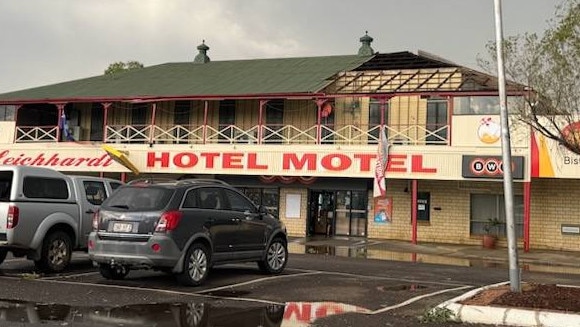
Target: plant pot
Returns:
[489, 241]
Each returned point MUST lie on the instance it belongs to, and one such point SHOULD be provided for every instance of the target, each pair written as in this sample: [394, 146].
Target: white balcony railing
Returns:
[270, 134]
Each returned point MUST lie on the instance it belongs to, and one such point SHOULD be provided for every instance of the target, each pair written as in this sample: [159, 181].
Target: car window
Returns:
[191, 199]
[239, 203]
[95, 192]
[115, 185]
[139, 198]
[5, 185]
[45, 188]
[210, 198]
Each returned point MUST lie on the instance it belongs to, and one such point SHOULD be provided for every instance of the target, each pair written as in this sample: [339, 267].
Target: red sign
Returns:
[290, 162]
[53, 160]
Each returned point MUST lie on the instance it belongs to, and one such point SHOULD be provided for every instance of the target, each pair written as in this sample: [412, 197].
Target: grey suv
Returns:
[184, 227]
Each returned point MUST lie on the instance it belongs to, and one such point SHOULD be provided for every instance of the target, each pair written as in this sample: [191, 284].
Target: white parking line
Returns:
[380, 277]
[202, 293]
[256, 281]
[417, 298]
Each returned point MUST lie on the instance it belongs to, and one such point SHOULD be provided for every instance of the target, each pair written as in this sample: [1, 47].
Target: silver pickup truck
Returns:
[45, 214]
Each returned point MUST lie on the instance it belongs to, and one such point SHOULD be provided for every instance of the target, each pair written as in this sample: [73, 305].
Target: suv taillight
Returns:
[96, 221]
[168, 221]
[13, 214]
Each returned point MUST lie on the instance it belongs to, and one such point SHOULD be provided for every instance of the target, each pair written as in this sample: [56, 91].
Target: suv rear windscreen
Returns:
[139, 198]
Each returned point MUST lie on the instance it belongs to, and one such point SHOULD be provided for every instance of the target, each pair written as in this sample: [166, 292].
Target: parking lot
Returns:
[314, 290]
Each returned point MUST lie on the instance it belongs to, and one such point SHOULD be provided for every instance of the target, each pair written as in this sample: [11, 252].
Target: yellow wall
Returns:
[554, 202]
[448, 225]
[295, 226]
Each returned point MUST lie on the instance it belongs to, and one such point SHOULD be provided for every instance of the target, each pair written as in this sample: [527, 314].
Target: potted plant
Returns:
[491, 230]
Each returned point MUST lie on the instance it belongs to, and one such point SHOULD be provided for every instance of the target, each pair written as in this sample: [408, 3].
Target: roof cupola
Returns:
[365, 49]
[201, 57]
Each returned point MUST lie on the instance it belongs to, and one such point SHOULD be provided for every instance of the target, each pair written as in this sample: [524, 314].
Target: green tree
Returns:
[120, 66]
[549, 65]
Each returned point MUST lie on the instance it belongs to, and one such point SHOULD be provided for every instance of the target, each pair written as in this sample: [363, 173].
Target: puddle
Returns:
[190, 314]
[410, 287]
[370, 252]
[228, 293]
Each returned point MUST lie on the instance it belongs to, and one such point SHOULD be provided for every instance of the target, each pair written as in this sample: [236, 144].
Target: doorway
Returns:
[321, 213]
[341, 213]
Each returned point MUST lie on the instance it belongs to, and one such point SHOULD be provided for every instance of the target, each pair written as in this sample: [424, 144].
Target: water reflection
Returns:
[379, 253]
[190, 314]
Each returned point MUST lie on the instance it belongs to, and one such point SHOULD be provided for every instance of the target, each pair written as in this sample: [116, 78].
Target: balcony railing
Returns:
[265, 134]
[25, 134]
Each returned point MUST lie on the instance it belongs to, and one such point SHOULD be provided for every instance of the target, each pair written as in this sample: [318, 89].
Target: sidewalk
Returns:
[450, 254]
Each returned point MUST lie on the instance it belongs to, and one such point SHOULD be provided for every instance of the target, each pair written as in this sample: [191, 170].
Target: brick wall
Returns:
[295, 226]
[554, 202]
[450, 224]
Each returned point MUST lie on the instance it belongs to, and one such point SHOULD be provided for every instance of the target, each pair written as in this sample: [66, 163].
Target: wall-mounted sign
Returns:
[383, 210]
[490, 167]
[570, 229]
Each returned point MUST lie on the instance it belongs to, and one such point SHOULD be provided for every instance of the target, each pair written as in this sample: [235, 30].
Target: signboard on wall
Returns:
[490, 167]
[383, 210]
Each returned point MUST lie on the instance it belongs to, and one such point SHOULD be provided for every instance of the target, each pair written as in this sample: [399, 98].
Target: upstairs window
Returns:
[7, 113]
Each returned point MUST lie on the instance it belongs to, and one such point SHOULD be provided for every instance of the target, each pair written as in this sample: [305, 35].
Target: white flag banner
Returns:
[380, 186]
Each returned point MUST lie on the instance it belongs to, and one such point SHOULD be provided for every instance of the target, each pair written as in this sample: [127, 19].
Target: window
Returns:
[139, 133]
[485, 105]
[181, 118]
[95, 192]
[488, 206]
[239, 203]
[227, 119]
[7, 113]
[274, 120]
[191, 200]
[5, 185]
[45, 188]
[210, 198]
[375, 117]
[437, 121]
[115, 185]
[267, 197]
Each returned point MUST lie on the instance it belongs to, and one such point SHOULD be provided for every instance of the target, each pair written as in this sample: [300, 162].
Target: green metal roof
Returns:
[215, 78]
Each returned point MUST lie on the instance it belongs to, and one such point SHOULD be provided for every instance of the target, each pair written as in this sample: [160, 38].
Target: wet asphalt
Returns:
[327, 287]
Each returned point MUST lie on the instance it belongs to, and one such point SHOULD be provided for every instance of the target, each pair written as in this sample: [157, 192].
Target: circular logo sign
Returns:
[488, 131]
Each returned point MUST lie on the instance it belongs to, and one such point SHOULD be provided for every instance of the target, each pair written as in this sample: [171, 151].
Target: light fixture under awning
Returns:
[120, 157]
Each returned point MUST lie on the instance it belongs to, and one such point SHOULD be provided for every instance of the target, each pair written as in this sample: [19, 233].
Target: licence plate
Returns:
[122, 227]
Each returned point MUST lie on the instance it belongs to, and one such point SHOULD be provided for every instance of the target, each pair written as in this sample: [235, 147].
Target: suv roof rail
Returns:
[151, 181]
[201, 180]
[177, 181]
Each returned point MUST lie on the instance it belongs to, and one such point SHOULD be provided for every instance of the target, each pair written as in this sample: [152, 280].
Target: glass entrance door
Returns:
[342, 213]
[351, 213]
[321, 213]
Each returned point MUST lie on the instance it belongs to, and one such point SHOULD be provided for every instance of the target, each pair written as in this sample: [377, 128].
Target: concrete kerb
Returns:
[506, 316]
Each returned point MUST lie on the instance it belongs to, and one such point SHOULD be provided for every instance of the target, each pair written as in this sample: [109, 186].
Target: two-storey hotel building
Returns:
[300, 136]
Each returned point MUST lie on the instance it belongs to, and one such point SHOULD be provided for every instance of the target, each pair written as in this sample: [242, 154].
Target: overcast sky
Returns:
[51, 41]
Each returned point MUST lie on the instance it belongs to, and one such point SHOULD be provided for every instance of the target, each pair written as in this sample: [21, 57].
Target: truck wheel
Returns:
[276, 257]
[3, 253]
[116, 272]
[56, 252]
[195, 266]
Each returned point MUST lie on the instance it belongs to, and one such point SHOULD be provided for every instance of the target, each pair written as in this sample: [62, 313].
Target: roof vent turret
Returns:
[201, 57]
[365, 49]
